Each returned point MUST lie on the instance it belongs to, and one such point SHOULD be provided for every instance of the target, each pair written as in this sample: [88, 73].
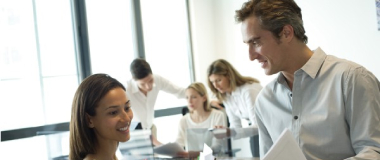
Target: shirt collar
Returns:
[236, 92]
[135, 87]
[312, 66]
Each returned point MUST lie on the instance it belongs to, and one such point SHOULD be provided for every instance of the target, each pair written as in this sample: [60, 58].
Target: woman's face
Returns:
[194, 99]
[220, 82]
[113, 117]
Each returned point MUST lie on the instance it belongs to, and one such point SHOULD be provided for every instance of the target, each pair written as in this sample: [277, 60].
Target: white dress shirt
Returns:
[143, 106]
[333, 110]
[240, 104]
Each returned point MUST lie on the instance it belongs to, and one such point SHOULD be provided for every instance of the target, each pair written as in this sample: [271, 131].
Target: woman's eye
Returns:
[113, 112]
[127, 108]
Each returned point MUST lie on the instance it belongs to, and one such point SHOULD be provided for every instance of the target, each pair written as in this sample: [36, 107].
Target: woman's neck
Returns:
[199, 116]
[105, 149]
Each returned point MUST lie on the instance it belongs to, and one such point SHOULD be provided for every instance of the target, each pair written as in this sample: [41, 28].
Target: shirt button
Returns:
[295, 117]
[291, 95]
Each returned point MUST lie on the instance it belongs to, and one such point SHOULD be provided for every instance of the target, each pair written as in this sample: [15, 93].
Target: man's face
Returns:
[263, 46]
[145, 84]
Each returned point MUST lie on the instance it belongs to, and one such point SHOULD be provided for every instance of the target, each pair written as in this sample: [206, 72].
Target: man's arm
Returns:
[169, 87]
[362, 99]
[265, 141]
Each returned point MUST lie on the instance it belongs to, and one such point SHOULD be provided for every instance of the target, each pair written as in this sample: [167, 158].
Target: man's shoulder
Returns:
[340, 63]
[268, 90]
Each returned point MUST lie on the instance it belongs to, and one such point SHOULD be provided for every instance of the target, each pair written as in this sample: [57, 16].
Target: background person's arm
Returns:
[169, 87]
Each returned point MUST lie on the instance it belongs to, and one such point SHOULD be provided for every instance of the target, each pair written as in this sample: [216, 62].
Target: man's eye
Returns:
[113, 112]
[127, 108]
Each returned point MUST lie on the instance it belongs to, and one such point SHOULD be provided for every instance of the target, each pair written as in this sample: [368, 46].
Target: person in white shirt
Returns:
[331, 105]
[143, 90]
[238, 95]
[200, 115]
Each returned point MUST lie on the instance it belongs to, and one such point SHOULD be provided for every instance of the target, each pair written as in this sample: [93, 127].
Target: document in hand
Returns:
[285, 148]
[168, 149]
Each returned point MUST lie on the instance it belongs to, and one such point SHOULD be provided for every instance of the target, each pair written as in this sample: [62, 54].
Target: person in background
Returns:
[100, 118]
[238, 95]
[200, 115]
[143, 90]
[331, 105]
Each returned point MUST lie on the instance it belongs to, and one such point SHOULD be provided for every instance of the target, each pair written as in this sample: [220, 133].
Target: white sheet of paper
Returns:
[285, 148]
[206, 154]
[168, 149]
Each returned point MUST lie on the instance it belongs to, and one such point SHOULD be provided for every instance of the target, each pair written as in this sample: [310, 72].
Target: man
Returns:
[330, 105]
[143, 89]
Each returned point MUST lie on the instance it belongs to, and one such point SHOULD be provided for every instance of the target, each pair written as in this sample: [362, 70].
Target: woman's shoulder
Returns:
[216, 112]
[250, 86]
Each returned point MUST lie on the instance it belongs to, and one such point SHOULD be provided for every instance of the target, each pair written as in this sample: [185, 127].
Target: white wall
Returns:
[344, 28]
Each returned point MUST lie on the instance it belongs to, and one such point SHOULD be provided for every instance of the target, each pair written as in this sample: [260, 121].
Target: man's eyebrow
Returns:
[253, 39]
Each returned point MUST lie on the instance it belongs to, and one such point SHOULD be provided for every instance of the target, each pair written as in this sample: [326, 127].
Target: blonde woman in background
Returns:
[238, 94]
[200, 115]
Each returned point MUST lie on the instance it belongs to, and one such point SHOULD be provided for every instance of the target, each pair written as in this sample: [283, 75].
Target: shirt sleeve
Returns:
[265, 141]
[362, 99]
[250, 98]
[234, 120]
[181, 137]
[169, 87]
[220, 119]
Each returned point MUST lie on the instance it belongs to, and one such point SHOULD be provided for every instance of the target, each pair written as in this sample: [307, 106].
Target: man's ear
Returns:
[288, 32]
[90, 121]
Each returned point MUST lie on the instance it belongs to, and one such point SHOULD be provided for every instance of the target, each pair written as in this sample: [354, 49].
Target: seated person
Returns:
[100, 118]
[200, 115]
[143, 90]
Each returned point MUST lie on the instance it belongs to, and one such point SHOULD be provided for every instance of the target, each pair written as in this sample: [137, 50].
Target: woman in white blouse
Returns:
[238, 94]
[200, 115]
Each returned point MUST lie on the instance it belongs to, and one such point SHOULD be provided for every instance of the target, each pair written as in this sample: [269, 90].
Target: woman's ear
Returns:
[89, 120]
[204, 98]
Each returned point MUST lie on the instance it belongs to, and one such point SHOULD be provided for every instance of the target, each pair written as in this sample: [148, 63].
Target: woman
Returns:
[200, 115]
[100, 118]
[238, 94]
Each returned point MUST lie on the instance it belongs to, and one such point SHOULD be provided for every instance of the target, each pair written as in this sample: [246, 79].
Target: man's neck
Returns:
[144, 92]
[299, 58]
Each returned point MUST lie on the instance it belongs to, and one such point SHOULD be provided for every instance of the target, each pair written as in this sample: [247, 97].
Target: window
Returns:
[165, 25]
[38, 71]
[38, 63]
[110, 37]
[167, 44]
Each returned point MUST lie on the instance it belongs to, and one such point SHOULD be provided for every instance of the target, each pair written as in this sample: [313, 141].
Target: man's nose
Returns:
[252, 54]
